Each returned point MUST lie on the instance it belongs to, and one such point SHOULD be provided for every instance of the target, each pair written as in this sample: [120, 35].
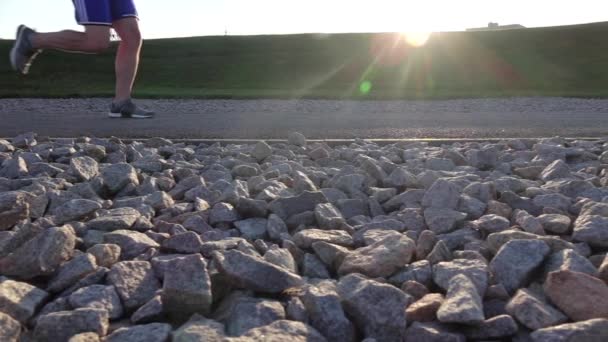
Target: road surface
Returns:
[320, 119]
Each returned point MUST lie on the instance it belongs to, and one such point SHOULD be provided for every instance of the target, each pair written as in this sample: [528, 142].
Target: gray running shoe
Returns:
[23, 54]
[128, 109]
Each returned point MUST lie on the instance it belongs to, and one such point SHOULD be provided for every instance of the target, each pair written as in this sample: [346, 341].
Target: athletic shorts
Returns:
[103, 12]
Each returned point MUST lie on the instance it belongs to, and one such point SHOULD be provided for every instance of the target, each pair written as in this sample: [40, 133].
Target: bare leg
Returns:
[94, 39]
[127, 56]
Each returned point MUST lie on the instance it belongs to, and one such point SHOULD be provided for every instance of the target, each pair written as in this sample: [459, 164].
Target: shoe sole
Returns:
[133, 116]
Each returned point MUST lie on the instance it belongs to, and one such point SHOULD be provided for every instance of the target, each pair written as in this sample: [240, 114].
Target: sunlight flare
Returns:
[416, 38]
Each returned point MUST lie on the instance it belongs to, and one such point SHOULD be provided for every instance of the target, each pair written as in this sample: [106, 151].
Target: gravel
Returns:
[302, 241]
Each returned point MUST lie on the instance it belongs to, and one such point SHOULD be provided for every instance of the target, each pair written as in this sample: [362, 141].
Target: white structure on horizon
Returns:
[495, 26]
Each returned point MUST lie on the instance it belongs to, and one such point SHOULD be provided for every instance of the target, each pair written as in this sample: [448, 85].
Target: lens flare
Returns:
[365, 87]
[416, 39]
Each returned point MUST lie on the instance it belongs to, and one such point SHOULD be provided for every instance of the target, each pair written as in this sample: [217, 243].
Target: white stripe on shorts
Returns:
[83, 10]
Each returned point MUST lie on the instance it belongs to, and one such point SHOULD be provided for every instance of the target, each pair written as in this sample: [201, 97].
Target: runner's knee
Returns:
[132, 37]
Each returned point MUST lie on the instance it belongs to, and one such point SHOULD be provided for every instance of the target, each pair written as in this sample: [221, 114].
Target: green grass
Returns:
[555, 61]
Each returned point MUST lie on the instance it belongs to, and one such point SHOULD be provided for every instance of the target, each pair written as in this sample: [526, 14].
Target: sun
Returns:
[416, 38]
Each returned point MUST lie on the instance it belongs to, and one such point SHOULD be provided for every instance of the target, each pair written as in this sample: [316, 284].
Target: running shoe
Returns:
[128, 109]
[23, 54]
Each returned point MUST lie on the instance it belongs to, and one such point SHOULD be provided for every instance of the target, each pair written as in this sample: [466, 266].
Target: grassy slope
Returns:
[560, 61]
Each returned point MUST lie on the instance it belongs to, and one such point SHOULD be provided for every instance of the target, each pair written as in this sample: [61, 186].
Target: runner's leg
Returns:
[127, 56]
[95, 16]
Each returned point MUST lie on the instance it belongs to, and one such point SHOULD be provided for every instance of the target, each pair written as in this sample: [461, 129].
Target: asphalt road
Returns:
[319, 119]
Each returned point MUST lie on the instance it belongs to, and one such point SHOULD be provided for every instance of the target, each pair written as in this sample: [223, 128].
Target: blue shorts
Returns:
[103, 12]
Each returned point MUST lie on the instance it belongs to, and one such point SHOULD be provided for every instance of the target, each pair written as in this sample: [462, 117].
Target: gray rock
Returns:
[117, 176]
[407, 199]
[485, 192]
[557, 169]
[92, 278]
[247, 207]
[462, 303]
[134, 281]
[419, 271]
[261, 151]
[312, 267]
[281, 257]
[83, 168]
[153, 332]
[14, 207]
[296, 138]
[555, 223]
[593, 330]
[249, 313]
[289, 206]
[353, 207]
[432, 332]
[115, 219]
[331, 255]
[592, 229]
[557, 201]
[516, 262]
[301, 182]
[20, 300]
[473, 207]
[284, 330]
[253, 273]
[499, 327]
[105, 255]
[533, 312]
[25, 140]
[150, 312]
[528, 222]
[442, 194]
[61, 326]
[401, 178]
[185, 243]
[569, 260]
[441, 220]
[187, 287]
[492, 224]
[253, 228]
[414, 289]
[441, 252]
[296, 311]
[517, 202]
[475, 270]
[186, 185]
[603, 270]
[328, 217]
[377, 309]
[72, 271]
[199, 328]
[41, 255]
[319, 153]
[10, 329]
[484, 159]
[223, 213]
[131, 243]
[425, 243]
[150, 164]
[74, 210]
[14, 168]
[325, 312]
[98, 297]
[305, 238]
[381, 259]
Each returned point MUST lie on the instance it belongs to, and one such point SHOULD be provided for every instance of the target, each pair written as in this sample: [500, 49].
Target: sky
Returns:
[182, 18]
